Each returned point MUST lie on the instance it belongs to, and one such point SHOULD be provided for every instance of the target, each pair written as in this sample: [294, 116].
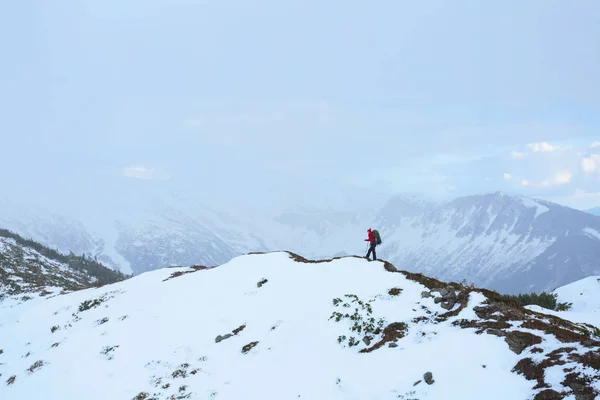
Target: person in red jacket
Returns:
[372, 244]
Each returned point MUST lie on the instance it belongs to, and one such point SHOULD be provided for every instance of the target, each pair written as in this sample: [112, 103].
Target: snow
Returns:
[584, 294]
[592, 232]
[540, 209]
[160, 325]
[585, 298]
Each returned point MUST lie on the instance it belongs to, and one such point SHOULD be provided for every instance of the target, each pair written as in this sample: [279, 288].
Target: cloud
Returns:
[507, 176]
[543, 147]
[518, 155]
[594, 145]
[580, 199]
[563, 177]
[591, 164]
[141, 172]
[560, 178]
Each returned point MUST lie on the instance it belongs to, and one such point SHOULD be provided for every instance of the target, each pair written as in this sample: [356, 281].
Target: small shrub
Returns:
[239, 329]
[563, 306]
[248, 347]
[102, 321]
[364, 326]
[545, 300]
[11, 380]
[109, 351]
[54, 328]
[395, 291]
[36, 365]
[89, 304]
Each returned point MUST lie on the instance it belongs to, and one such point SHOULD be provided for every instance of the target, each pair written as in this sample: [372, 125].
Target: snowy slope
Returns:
[264, 326]
[584, 295]
[63, 232]
[29, 269]
[594, 211]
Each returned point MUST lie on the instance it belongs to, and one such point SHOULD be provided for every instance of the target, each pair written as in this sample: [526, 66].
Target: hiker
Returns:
[373, 239]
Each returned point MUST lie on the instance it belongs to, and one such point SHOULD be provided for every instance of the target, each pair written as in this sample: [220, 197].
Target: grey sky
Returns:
[218, 98]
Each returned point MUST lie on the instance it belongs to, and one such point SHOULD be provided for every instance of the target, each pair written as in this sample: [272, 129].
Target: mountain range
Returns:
[280, 326]
[498, 241]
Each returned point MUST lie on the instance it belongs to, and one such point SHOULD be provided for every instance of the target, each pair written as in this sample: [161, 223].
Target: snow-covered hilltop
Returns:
[508, 243]
[278, 326]
[28, 269]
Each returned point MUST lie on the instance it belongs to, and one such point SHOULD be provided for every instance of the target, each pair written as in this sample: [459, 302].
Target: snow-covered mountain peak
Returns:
[279, 326]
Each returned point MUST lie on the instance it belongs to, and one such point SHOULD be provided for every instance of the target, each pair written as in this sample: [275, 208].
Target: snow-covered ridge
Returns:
[279, 326]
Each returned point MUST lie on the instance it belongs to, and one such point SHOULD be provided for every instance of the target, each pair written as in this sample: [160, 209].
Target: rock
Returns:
[367, 340]
[548, 394]
[221, 338]
[518, 341]
[262, 282]
[389, 267]
[443, 292]
[496, 332]
[438, 300]
[417, 382]
[447, 305]
[426, 294]
[428, 377]
[393, 345]
[451, 295]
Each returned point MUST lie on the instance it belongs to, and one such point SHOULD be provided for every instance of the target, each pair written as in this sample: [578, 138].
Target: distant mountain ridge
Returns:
[509, 243]
[594, 211]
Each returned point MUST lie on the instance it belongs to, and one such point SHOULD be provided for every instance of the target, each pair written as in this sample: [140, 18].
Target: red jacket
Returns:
[371, 238]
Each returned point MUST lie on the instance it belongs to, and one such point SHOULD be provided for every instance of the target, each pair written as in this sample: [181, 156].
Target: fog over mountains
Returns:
[508, 243]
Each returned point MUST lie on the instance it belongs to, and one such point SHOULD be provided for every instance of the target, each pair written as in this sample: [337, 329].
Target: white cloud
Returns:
[591, 164]
[563, 177]
[595, 144]
[543, 147]
[518, 155]
[507, 176]
[141, 172]
[580, 199]
[525, 182]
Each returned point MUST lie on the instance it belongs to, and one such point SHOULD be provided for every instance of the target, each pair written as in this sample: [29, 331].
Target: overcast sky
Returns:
[435, 98]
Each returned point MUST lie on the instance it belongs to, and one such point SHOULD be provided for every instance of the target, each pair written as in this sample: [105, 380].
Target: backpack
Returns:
[377, 237]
